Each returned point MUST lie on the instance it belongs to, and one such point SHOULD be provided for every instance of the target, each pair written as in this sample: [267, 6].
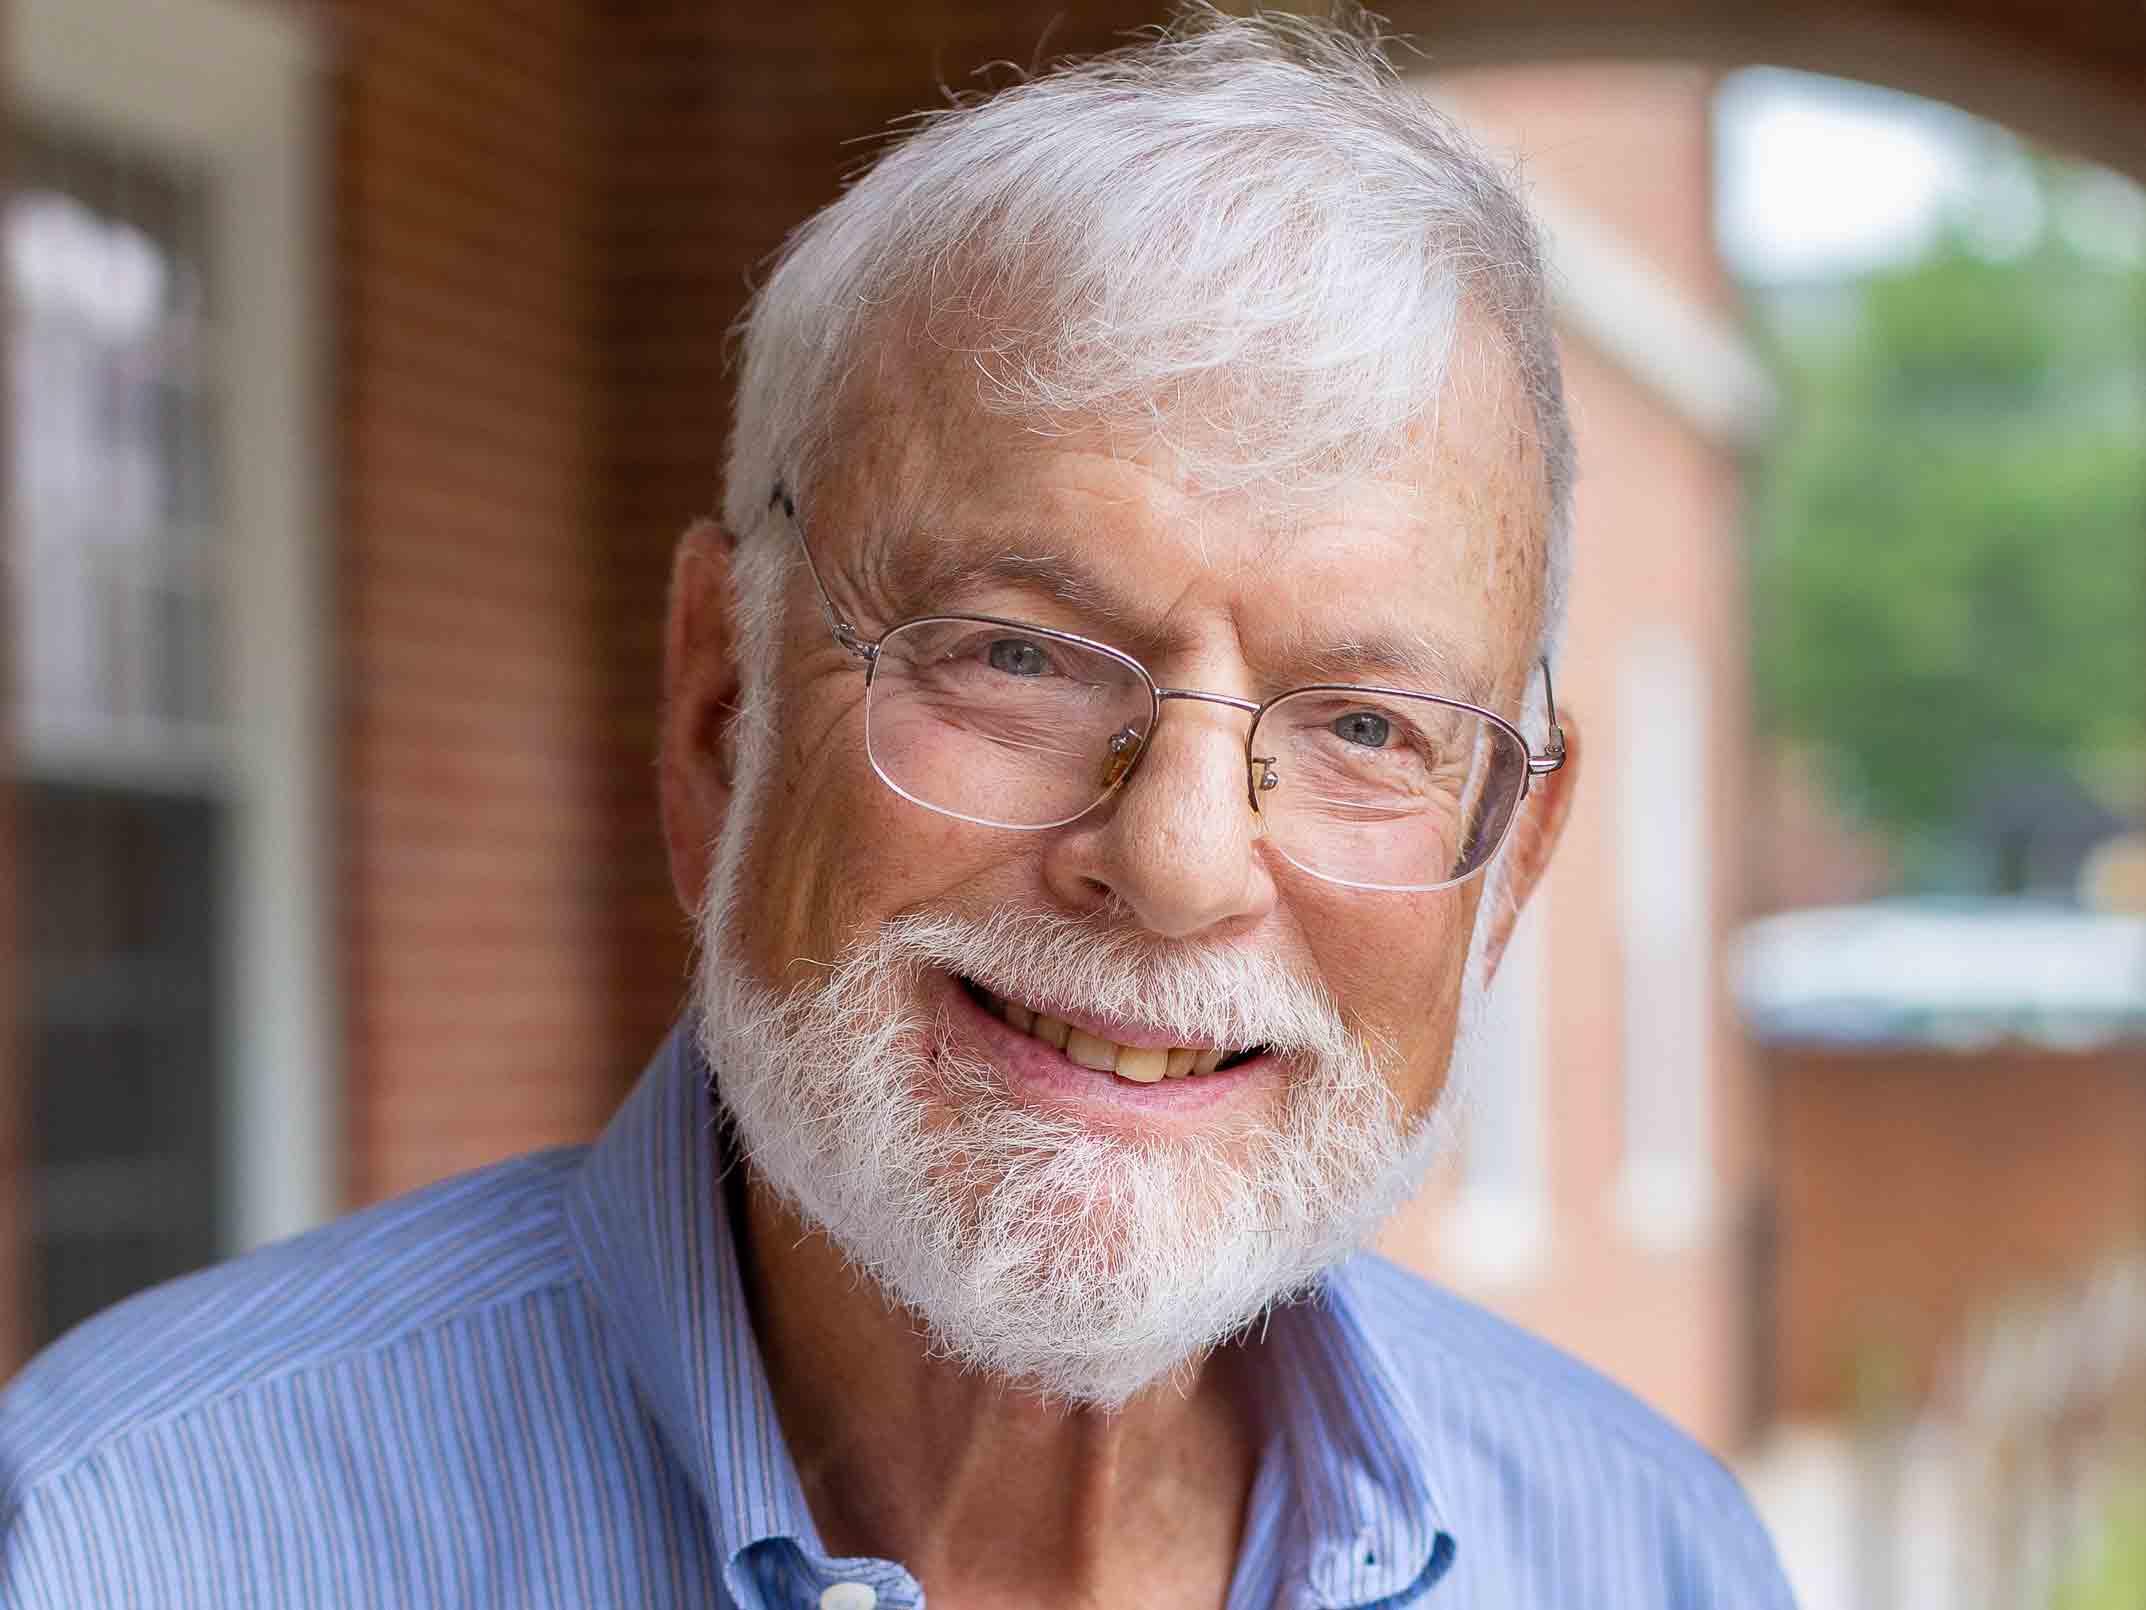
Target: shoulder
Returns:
[1517, 1424]
[405, 1269]
[1443, 1342]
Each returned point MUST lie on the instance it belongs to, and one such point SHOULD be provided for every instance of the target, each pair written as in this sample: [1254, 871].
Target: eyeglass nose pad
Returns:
[1125, 746]
[1266, 777]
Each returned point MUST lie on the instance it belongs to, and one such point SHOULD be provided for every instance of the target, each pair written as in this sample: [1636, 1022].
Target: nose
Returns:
[1177, 844]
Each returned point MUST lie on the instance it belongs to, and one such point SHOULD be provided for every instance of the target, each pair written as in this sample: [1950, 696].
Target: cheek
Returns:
[1398, 975]
[835, 853]
[793, 880]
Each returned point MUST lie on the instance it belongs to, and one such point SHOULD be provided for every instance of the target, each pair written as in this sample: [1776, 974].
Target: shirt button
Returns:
[849, 1596]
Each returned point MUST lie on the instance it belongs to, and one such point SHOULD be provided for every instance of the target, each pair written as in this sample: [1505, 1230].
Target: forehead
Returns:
[928, 490]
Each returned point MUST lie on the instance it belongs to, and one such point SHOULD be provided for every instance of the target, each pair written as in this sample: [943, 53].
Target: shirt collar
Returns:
[650, 1227]
[649, 1222]
[1359, 1451]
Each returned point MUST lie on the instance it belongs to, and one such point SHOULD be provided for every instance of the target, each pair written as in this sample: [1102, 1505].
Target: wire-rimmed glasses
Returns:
[1012, 725]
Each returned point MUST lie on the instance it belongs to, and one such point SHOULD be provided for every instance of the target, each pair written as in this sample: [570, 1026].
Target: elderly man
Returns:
[1109, 736]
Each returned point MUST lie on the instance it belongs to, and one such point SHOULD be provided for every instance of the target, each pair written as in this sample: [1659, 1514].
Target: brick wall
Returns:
[1917, 1189]
[471, 704]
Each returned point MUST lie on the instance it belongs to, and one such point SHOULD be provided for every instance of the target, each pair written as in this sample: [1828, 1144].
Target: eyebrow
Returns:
[934, 568]
[925, 571]
[1396, 655]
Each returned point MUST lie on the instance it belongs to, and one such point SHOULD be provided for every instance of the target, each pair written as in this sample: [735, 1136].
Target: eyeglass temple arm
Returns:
[1553, 749]
[844, 633]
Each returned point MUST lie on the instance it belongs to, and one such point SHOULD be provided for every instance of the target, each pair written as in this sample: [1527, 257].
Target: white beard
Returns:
[1085, 1266]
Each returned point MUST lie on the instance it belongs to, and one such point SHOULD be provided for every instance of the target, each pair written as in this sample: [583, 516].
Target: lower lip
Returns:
[1043, 1071]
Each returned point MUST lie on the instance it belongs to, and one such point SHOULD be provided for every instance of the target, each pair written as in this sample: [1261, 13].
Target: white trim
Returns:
[1688, 355]
[1497, 1238]
[232, 87]
[1685, 353]
[1497, 1231]
[1664, 1192]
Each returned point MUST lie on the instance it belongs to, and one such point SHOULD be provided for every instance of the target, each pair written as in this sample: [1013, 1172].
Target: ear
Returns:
[700, 696]
[1526, 856]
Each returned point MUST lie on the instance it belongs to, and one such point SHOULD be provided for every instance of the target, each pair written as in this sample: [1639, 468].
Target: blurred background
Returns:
[365, 359]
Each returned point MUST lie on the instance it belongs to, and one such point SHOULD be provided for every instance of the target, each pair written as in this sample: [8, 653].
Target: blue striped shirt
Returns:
[538, 1385]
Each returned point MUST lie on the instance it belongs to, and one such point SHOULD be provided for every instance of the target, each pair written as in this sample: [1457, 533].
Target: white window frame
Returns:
[1498, 1230]
[231, 88]
[1664, 859]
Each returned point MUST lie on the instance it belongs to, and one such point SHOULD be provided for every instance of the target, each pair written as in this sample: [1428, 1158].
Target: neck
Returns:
[988, 1495]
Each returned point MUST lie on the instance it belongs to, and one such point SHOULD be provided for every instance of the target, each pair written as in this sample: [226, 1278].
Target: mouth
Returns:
[1149, 1063]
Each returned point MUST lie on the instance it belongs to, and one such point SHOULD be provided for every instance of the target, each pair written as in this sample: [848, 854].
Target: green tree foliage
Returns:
[2110, 1573]
[1950, 573]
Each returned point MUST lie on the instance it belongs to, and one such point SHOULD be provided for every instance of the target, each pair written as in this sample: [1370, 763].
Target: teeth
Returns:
[1144, 1064]
[1141, 1064]
[1091, 1052]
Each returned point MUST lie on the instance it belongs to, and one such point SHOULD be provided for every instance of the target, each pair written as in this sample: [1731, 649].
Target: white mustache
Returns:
[1230, 998]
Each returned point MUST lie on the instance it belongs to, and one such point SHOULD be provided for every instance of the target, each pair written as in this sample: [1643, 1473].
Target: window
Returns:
[162, 594]
[120, 715]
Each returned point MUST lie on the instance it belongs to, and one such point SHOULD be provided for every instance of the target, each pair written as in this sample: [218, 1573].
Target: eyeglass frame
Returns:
[1259, 773]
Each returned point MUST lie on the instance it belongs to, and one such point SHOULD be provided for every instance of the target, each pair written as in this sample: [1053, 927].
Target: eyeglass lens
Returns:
[1001, 726]
[1013, 727]
[1386, 791]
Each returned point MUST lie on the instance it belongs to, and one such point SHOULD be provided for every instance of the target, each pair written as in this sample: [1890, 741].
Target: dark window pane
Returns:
[124, 1007]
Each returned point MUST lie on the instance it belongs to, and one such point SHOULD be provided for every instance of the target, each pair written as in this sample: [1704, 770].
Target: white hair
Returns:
[1247, 239]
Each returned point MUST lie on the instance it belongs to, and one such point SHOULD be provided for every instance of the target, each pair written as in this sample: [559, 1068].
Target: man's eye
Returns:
[1017, 656]
[1363, 727]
